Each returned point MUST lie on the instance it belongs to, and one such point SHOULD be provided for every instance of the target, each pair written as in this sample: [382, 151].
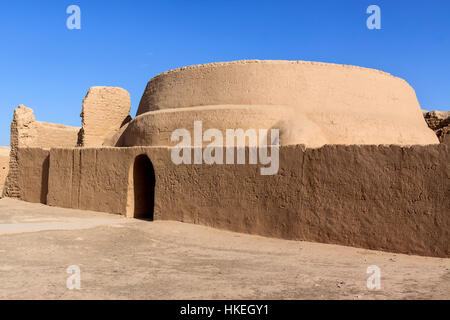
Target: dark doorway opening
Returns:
[144, 188]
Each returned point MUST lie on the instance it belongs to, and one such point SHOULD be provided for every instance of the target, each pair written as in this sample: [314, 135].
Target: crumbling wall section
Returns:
[439, 122]
[26, 132]
[105, 111]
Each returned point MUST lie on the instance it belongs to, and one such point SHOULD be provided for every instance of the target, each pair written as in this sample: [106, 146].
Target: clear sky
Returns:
[49, 68]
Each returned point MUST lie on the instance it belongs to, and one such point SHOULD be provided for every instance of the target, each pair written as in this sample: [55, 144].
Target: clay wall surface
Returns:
[105, 111]
[95, 178]
[4, 166]
[32, 177]
[26, 132]
[377, 197]
[334, 104]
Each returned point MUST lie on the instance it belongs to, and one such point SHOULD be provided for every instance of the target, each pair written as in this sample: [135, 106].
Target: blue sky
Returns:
[49, 68]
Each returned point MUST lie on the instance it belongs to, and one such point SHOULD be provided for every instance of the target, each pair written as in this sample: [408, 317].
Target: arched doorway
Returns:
[141, 189]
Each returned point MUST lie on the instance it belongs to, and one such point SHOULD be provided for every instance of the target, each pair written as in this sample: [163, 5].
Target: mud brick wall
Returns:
[377, 197]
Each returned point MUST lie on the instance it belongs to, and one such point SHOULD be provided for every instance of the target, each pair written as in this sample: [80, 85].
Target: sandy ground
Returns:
[123, 258]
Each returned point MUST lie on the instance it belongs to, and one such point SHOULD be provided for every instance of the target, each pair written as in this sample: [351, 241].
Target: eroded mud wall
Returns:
[105, 111]
[377, 197]
[439, 122]
[26, 132]
[32, 174]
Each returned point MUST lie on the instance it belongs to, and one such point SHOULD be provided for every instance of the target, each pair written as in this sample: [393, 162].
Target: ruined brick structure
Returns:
[439, 122]
[358, 164]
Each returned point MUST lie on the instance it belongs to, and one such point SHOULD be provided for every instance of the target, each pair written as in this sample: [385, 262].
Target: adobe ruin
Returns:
[358, 164]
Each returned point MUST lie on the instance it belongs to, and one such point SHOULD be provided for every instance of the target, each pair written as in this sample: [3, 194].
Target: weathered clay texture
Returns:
[439, 122]
[33, 175]
[27, 132]
[105, 111]
[342, 104]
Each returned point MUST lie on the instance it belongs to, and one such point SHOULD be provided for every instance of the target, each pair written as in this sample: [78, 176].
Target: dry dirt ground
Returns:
[122, 258]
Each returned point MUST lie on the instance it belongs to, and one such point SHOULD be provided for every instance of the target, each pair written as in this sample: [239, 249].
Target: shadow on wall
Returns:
[141, 189]
[44, 181]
